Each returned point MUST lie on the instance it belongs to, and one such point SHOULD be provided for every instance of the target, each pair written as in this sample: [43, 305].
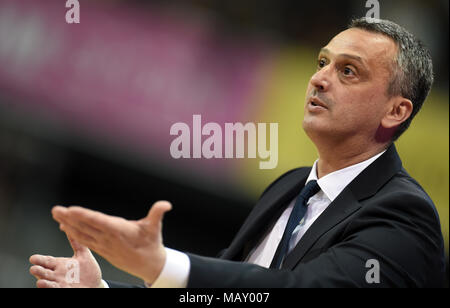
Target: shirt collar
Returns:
[334, 183]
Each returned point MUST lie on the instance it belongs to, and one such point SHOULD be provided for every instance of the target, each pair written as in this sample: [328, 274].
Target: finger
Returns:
[34, 275]
[41, 273]
[79, 236]
[76, 247]
[46, 284]
[78, 216]
[92, 219]
[88, 229]
[92, 232]
[59, 212]
[47, 262]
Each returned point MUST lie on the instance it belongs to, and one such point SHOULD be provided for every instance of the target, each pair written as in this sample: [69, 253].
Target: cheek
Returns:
[355, 109]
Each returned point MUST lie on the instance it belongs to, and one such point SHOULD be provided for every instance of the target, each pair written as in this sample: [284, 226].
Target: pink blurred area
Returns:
[124, 76]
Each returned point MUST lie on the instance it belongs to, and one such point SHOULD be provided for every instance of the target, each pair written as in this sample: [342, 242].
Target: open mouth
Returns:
[316, 103]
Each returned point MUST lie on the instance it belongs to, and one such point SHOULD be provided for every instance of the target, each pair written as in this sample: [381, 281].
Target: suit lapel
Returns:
[344, 205]
[266, 210]
[365, 185]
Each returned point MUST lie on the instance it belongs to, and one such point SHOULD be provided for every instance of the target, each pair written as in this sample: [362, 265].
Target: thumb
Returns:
[77, 247]
[157, 211]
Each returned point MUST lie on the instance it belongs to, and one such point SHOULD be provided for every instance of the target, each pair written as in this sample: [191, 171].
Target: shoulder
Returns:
[402, 222]
[403, 185]
[403, 197]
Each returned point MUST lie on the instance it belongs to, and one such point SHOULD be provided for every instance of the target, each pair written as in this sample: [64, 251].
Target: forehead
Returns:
[372, 48]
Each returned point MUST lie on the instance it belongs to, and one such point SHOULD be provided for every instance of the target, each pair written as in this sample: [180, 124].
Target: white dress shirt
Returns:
[175, 273]
[331, 186]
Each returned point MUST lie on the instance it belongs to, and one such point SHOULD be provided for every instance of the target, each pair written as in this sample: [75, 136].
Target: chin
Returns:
[314, 128]
[311, 124]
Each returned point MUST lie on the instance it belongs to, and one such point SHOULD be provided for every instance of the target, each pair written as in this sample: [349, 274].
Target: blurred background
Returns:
[86, 110]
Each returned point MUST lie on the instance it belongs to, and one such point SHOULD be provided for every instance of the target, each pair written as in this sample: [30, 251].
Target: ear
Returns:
[399, 111]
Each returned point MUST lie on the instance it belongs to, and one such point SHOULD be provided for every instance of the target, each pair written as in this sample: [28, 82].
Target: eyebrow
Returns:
[346, 55]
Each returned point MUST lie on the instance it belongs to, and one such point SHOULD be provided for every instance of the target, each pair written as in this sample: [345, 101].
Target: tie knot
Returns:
[310, 189]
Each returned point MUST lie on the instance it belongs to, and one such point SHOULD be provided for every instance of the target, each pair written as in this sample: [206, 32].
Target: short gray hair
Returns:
[412, 73]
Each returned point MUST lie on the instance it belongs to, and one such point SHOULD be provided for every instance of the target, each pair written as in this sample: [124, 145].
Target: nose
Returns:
[320, 80]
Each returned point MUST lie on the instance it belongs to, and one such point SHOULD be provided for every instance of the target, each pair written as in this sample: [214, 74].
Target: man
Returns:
[355, 219]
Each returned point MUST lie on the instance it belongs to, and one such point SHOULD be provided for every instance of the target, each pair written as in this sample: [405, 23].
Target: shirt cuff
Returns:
[104, 284]
[175, 272]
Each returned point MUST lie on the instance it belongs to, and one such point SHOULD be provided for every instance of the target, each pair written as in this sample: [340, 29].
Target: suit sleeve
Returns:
[115, 284]
[401, 233]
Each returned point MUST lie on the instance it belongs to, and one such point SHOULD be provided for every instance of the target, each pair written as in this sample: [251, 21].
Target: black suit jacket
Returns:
[383, 215]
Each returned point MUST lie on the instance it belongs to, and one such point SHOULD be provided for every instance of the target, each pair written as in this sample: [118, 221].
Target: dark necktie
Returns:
[298, 212]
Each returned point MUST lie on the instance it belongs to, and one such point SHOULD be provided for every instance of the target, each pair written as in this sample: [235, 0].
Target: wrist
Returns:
[154, 268]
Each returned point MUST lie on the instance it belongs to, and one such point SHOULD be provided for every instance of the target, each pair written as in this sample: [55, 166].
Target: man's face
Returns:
[347, 96]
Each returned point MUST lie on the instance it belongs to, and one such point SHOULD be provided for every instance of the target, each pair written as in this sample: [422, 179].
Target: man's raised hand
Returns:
[135, 247]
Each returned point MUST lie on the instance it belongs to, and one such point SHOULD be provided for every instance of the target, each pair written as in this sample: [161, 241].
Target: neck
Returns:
[342, 155]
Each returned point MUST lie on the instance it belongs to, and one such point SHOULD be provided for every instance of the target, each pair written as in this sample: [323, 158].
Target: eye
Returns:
[321, 63]
[348, 71]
